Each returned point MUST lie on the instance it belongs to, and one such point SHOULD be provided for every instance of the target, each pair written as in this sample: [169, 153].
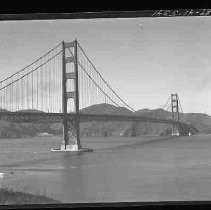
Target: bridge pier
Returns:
[175, 131]
[71, 129]
[71, 138]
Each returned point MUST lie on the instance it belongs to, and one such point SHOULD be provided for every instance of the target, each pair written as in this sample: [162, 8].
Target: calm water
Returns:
[119, 169]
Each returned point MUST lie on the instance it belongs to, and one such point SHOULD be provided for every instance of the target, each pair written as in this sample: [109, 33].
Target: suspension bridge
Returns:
[59, 86]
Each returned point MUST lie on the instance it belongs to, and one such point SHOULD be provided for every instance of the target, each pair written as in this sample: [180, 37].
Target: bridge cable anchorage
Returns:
[128, 106]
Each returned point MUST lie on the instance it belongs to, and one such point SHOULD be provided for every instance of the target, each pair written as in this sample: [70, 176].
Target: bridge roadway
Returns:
[39, 117]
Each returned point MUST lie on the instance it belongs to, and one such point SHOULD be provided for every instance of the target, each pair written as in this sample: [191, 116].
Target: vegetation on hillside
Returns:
[11, 197]
[199, 122]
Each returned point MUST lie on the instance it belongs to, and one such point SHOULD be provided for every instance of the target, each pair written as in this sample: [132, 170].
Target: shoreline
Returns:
[11, 197]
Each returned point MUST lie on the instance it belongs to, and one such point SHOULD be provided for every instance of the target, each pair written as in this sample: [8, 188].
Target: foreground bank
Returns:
[10, 197]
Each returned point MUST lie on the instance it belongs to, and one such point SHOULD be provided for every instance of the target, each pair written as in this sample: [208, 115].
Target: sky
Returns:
[143, 59]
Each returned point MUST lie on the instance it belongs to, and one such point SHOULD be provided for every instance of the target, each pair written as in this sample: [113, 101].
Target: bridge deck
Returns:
[59, 117]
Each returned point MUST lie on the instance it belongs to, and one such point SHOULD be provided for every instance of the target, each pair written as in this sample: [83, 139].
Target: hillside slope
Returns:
[202, 122]
[106, 128]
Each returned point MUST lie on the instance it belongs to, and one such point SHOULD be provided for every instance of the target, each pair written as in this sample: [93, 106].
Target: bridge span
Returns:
[60, 84]
[39, 117]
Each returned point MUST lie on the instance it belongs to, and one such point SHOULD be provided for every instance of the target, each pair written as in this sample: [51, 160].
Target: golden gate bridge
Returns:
[59, 86]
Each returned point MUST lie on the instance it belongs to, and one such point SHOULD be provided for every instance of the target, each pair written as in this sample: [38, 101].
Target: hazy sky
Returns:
[143, 59]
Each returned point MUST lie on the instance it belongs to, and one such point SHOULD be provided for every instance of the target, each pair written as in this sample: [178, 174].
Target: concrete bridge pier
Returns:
[175, 133]
[71, 138]
[175, 130]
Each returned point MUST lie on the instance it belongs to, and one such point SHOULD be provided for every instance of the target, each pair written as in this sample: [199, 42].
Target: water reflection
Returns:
[74, 177]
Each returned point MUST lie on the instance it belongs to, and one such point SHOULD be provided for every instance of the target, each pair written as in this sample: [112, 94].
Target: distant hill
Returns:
[3, 110]
[123, 128]
[154, 113]
[30, 110]
[106, 109]
[20, 130]
[198, 121]
[106, 128]
[201, 122]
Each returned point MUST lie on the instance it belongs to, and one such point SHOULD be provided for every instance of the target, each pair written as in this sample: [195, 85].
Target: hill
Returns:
[202, 122]
[199, 122]
[21, 130]
[106, 128]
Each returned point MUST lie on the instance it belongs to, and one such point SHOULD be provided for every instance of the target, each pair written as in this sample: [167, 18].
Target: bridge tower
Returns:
[71, 138]
[175, 114]
[71, 130]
